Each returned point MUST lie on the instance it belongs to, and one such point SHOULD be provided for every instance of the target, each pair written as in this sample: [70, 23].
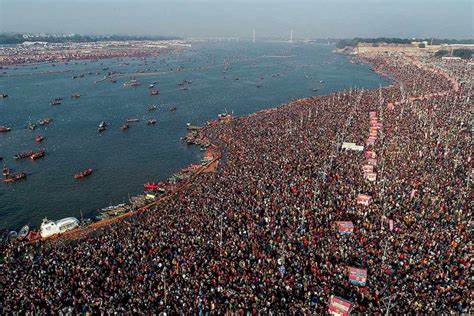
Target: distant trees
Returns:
[17, 38]
[464, 53]
[441, 53]
[394, 40]
[374, 41]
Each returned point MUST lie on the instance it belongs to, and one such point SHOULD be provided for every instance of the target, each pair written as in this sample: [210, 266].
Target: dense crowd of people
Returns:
[259, 235]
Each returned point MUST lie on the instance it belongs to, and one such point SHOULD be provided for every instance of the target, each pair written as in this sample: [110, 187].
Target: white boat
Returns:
[24, 231]
[49, 228]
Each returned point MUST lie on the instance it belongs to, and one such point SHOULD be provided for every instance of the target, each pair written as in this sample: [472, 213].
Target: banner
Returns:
[371, 176]
[372, 161]
[370, 154]
[367, 168]
[339, 306]
[345, 227]
[357, 276]
[371, 140]
[363, 199]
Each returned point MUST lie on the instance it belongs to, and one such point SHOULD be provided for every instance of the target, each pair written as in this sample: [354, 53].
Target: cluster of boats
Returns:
[43, 122]
[9, 177]
[103, 125]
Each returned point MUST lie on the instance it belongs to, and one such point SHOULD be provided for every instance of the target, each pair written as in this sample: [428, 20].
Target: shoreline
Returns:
[202, 139]
[364, 181]
[70, 52]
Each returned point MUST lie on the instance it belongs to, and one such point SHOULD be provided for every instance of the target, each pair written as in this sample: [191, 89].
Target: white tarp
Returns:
[352, 146]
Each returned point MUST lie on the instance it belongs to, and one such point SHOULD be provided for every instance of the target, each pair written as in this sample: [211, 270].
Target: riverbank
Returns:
[147, 153]
[263, 233]
[21, 54]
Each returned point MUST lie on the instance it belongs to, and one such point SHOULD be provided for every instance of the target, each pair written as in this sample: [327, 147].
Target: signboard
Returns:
[372, 161]
[367, 168]
[371, 140]
[338, 306]
[357, 276]
[363, 199]
[370, 154]
[345, 227]
[371, 176]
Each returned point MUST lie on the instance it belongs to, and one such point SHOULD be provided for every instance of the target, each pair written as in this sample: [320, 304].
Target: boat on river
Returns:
[4, 129]
[50, 228]
[39, 138]
[15, 177]
[37, 155]
[102, 127]
[23, 232]
[132, 83]
[5, 171]
[56, 101]
[84, 173]
[45, 121]
[23, 155]
[125, 127]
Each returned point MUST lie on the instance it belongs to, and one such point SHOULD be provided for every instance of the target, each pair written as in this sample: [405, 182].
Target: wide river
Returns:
[269, 74]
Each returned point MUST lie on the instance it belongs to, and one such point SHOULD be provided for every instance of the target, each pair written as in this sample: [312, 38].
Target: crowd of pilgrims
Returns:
[259, 235]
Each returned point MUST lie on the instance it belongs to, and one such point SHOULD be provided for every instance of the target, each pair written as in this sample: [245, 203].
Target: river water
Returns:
[124, 160]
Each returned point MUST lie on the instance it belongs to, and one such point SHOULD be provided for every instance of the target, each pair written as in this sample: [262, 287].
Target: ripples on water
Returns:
[123, 161]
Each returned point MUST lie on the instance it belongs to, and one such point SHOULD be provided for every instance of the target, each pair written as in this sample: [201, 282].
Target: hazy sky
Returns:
[270, 18]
